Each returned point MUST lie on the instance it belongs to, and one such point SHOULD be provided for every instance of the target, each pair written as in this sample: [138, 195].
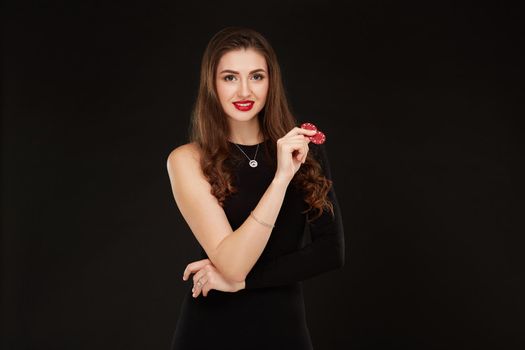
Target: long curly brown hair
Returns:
[209, 127]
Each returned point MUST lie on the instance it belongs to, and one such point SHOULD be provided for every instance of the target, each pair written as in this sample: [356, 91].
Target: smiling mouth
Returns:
[243, 105]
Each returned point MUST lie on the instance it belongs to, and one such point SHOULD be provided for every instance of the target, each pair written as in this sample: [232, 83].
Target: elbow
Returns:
[239, 278]
[234, 275]
[237, 274]
[231, 273]
[228, 268]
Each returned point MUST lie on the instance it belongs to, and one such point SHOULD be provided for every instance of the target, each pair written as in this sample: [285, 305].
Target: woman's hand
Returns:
[210, 278]
[292, 149]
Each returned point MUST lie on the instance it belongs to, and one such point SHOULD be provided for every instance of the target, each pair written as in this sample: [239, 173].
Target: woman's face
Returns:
[242, 83]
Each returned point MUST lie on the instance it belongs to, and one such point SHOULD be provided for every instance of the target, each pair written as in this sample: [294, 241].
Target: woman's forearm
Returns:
[238, 252]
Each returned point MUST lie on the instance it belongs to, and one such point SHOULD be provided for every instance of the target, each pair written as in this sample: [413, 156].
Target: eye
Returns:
[228, 76]
[258, 76]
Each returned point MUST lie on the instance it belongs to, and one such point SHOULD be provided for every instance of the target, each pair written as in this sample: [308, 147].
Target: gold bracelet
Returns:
[261, 222]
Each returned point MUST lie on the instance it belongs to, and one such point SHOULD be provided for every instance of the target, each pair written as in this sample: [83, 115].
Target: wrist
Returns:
[280, 180]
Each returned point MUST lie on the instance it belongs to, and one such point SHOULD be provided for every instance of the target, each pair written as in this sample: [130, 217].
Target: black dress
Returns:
[270, 312]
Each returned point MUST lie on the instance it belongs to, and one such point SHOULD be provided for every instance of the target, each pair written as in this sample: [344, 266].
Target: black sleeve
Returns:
[326, 251]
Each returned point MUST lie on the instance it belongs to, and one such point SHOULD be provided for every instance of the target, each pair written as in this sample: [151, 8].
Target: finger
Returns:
[206, 289]
[191, 268]
[199, 276]
[301, 138]
[300, 131]
[309, 133]
[296, 145]
[305, 156]
[204, 282]
[301, 148]
[198, 289]
[194, 267]
[195, 291]
[299, 157]
[302, 155]
[293, 145]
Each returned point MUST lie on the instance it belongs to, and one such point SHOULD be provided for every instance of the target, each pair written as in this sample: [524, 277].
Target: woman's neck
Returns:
[246, 135]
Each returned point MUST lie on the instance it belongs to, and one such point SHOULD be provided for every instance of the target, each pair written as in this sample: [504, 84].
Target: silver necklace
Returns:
[253, 163]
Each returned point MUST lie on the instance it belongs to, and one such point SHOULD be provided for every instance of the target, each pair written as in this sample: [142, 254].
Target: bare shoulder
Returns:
[185, 156]
[184, 153]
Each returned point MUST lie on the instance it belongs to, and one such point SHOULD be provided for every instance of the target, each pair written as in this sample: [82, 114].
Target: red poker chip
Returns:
[308, 126]
[319, 138]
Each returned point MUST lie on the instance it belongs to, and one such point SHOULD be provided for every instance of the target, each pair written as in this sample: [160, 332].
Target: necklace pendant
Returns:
[253, 163]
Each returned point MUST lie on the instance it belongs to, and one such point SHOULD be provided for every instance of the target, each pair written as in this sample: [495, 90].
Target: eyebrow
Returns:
[234, 72]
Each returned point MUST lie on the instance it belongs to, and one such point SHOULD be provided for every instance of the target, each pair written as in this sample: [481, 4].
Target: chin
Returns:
[243, 116]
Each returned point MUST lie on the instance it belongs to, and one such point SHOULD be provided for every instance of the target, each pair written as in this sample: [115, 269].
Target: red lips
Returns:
[247, 105]
[319, 137]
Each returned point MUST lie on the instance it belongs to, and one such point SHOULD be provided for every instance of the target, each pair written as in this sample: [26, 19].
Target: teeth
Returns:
[244, 104]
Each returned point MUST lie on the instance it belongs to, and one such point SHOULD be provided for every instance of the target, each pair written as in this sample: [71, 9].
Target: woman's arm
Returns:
[326, 252]
[233, 253]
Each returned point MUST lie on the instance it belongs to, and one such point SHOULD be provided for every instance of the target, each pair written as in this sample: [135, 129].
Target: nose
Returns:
[244, 89]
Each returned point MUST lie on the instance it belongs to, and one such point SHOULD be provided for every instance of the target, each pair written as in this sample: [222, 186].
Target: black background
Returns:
[420, 105]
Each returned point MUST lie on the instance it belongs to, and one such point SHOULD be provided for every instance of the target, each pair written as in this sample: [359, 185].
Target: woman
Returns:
[248, 187]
